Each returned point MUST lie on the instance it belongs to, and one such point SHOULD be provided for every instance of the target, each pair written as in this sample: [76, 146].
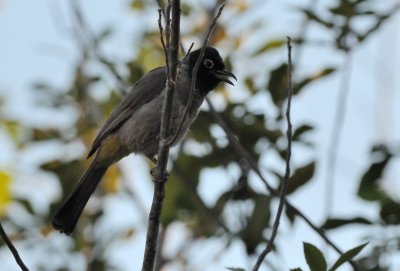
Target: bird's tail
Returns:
[68, 214]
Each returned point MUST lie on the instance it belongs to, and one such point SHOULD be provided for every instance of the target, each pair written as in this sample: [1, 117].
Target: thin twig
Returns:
[161, 6]
[285, 180]
[303, 31]
[242, 152]
[186, 54]
[160, 27]
[89, 42]
[160, 174]
[194, 74]
[12, 248]
[168, 38]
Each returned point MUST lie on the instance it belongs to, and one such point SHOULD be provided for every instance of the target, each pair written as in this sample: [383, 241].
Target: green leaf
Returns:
[185, 9]
[290, 214]
[314, 257]
[313, 77]
[334, 223]
[252, 234]
[277, 85]
[273, 44]
[40, 85]
[5, 191]
[301, 130]
[314, 17]
[249, 82]
[390, 212]
[296, 269]
[235, 269]
[300, 177]
[347, 256]
[369, 188]
[137, 5]
[104, 34]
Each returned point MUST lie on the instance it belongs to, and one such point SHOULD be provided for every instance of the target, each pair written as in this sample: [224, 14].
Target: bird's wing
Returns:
[145, 89]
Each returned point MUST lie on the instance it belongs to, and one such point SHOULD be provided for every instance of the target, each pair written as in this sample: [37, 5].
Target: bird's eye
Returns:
[209, 64]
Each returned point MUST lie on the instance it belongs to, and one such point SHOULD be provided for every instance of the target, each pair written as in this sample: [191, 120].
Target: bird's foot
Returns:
[159, 177]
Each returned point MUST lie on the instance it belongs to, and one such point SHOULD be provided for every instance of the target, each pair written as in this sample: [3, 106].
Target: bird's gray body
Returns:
[135, 122]
[146, 121]
[134, 125]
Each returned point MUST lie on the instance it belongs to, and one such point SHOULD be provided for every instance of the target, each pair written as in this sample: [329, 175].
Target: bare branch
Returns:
[162, 38]
[186, 54]
[160, 173]
[285, 180]
[89, 43]
[241, 151]
[12, 248]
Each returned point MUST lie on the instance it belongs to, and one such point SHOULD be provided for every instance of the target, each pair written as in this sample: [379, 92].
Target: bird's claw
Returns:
[159, 177]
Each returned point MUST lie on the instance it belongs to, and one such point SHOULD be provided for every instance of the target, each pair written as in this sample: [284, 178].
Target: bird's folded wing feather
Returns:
[146, 89]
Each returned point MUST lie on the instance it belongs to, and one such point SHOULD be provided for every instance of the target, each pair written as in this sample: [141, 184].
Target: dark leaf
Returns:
[273, 44]
[314, 17]
[347, 256]
[314, 257]
[369, 186]
[390, 212]
[252, 234]
[345, 8]
[186, 9]
[27, 205]
[249, 82]
[380, 20]
[39, 134]
[334, 223]
[40, 85]
[277, 85]
[104, 34]
[290, 214]
[180, 202]
[318, 75]
[300, 177]
[67, 172]
[301, 130]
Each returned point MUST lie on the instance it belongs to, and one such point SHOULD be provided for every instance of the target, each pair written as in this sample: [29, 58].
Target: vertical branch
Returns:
[12, 248]
[285, 180]
[164, 45]
[173, 48]
[160, 174]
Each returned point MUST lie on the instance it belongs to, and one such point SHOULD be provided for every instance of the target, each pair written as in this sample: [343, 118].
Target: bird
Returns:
[134, 124]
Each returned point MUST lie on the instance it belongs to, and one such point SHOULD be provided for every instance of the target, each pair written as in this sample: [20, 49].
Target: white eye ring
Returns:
[208, 63]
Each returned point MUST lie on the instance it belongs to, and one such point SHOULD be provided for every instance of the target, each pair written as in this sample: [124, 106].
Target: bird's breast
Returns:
[141, 132]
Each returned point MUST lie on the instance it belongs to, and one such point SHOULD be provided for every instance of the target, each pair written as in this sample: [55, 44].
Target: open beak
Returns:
[224, 75]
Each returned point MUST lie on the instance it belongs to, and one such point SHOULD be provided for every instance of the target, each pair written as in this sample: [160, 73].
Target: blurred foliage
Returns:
[5, 193]
[342, 17]
[260, 133]
[316, 260]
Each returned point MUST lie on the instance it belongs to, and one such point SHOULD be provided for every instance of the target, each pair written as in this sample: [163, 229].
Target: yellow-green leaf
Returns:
[5, 191]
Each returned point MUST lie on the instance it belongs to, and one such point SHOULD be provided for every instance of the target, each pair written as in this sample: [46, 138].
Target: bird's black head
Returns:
[211, 70]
